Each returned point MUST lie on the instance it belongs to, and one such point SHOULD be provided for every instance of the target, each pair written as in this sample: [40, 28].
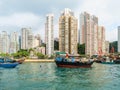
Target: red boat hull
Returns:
[73, 64]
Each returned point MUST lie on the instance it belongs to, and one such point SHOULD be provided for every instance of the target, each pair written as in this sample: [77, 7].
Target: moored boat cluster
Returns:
[111, 59]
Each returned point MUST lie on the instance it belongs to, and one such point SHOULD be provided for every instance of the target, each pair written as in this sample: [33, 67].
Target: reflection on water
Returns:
[46, 76]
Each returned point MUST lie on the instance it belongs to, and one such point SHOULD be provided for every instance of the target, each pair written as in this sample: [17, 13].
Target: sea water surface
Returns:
[46, 76]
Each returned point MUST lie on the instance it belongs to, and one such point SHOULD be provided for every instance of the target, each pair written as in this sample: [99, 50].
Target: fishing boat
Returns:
[109, 60]
[9, 65]
[116, 59]
[72, 62]
[75, 64]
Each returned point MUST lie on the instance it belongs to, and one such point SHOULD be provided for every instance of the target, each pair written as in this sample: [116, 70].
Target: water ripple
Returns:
[46, 76]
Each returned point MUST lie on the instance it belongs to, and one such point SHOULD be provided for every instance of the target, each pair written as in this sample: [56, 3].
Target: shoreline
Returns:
[39, 60]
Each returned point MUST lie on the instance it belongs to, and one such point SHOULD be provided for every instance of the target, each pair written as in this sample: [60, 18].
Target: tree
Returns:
[81, 48]
[43, 45]
[51, 57]
[56, 45]
[113, 45]
[31, 49]
[4, 55]
[21, 53]
[40, 55]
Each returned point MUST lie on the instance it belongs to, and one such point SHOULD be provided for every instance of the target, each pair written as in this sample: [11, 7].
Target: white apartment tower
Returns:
[4, 42]
[118, 38]
[26, 38]
[14, 42]
[37, 41]
[1, 43]
[49, 34]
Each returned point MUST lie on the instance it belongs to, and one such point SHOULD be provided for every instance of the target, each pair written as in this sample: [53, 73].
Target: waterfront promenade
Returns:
[39, 60]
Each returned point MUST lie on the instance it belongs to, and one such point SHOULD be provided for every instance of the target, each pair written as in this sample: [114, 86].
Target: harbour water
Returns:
[46, 76]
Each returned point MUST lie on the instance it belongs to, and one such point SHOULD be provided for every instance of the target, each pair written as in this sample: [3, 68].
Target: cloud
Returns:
[20, 20]
[16, 14]
[34, 6]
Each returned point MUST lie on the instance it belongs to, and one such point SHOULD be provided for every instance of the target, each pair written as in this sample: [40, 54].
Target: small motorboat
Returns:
[9, 65]
[117, 61]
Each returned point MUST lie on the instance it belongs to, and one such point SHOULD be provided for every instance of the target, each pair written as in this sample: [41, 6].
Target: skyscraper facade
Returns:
[4, 45]
[107, 47]
[101, 40]
[30, 40]
[1, 43]
[37, 41]
[49, 35]
[92, 35]
[68, 32]
[14, 42]
[9, 43]
[118, 38]
[26, 38]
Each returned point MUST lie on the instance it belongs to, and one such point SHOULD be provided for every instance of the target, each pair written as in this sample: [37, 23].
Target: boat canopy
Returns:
[58, 53]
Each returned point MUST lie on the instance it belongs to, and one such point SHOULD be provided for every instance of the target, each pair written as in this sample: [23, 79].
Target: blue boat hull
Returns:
[108, 62]
[8, 65]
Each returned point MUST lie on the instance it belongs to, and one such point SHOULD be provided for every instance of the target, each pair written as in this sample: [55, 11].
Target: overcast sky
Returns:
[15, 14]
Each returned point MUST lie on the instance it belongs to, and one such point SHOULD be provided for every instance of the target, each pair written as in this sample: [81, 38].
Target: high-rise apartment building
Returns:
[26, 38]
[92, 35]
[9, 43]
[30, 40]
[107, 47]
[37, 41]
[14, 42]
[101, 39]
[68, 32]
[1, 43]
[4, 42]
[118, 38]
[49, 34]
